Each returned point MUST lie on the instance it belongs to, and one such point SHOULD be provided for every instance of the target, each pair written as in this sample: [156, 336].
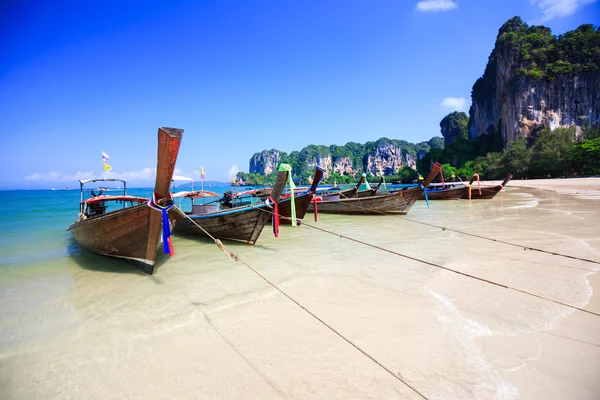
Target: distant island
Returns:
[535, 112]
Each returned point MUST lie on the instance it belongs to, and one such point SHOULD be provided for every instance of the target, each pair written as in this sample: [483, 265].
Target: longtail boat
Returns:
[353, 192]
[135, 231]
[398, 202]
[301, 201]
[484, 192]
[450, 192]
[244, 223]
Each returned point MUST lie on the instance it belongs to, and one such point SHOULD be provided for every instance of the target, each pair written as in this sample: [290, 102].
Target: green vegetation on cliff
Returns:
[547, 154]
[455, 126]
[352, 155]
[529, 56]
[543, 55]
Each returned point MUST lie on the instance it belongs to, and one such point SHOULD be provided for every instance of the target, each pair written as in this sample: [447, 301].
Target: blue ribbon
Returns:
[166, 227]
[425, 193]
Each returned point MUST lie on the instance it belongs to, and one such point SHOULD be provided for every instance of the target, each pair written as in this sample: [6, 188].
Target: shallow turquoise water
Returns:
[34, 222]
[75, 324]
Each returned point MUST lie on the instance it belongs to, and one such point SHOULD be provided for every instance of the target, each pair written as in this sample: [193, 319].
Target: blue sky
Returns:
[239, 76]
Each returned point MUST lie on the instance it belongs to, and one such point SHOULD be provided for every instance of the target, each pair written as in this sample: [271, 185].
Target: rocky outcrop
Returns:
[323, 161]
[382, 157]
[565, 101]
[454, 126]
[265, 162]
[388, 160]
[524, 90]
[343, 166]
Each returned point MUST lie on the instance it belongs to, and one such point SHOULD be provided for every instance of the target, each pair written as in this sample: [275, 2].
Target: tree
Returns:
[551, 152]
[586, 156]
[516, 158]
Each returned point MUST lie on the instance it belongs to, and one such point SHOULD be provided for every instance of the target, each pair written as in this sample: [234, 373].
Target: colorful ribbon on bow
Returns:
[166, 227]
[288, 168]
[273, 204]
[367, 186]
[425, 194]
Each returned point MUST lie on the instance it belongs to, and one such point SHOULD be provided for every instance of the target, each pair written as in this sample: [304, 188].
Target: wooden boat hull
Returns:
[353, 194]
[487, 192]
[445, 194]
[134, 233]
[398, 202]
[301, 204]
[128, 233]
[243, 224]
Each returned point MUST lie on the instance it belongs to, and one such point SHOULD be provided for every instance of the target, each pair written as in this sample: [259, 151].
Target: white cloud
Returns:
[34, 177]
[436, 5]
[455, 103]
[57, 176]
[79, 176]
[144, 174]
[559, 8]
[233, 171]
[141, 175]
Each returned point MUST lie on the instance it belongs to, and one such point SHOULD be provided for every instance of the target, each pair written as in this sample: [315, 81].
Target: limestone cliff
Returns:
[323, 161]
[382, 157]
[454, 126]
[344, 166]
[388, 159]
[535, 80]
[265, 162]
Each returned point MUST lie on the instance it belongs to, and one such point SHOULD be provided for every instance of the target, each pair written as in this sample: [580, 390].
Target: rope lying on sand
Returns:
[448, 269]
[340, 335]
[524, 247]
[453, 270]
[444, 228]
[235, 257]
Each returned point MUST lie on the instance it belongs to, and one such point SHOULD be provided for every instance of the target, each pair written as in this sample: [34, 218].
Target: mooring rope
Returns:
[234, 256]
[449, 269]
[444, 228]
[524, 247]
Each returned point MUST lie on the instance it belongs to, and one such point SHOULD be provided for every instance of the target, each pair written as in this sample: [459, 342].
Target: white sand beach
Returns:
[585, 188]
[207, 327]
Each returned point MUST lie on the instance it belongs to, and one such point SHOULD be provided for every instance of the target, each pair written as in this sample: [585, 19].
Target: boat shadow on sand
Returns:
[95, 262]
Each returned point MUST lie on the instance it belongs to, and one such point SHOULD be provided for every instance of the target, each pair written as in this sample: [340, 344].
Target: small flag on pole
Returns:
[107, 167]
[201, 172]
[105, 157]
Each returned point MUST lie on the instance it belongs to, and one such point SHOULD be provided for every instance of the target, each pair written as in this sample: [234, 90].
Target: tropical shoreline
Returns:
[585, 188]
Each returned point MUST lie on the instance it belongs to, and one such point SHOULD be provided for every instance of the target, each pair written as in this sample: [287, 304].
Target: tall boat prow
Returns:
[224, 221]
[135, 231]
[302, 201]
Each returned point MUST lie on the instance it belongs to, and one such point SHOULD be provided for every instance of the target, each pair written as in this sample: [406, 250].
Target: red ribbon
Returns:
[315, 205]
[275, 216]
[171, 248]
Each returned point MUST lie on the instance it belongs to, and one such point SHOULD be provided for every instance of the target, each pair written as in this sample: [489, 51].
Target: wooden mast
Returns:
[169, 140]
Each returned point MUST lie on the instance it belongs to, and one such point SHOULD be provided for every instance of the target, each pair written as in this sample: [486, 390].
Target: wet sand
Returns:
[206, 327]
